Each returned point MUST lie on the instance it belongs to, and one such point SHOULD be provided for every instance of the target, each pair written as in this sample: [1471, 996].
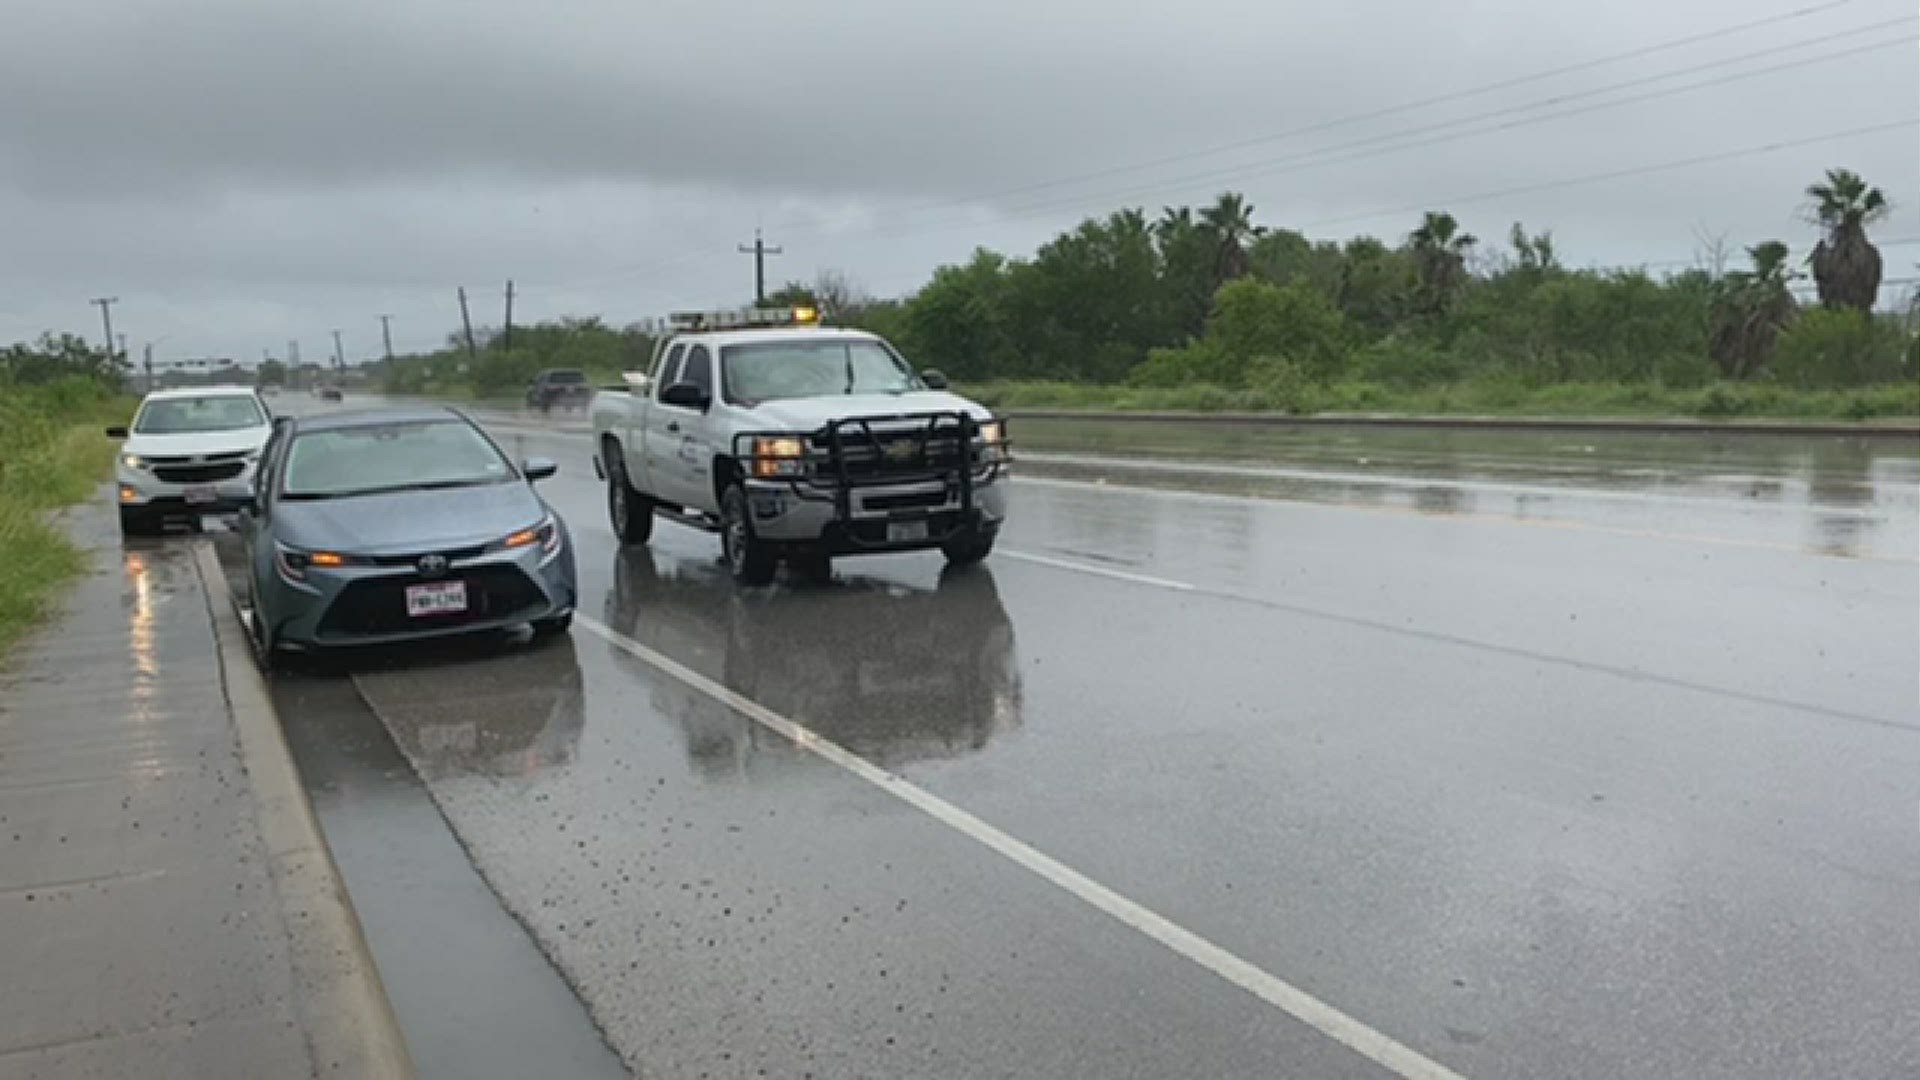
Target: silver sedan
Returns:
[394, 524]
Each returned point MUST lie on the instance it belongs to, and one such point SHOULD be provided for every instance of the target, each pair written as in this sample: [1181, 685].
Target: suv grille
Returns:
[199, 474]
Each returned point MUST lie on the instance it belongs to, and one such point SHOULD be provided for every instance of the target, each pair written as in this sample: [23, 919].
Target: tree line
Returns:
[1206, 296]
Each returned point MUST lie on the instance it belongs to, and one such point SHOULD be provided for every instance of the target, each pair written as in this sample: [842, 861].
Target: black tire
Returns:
[815, 565]
[628, 510]
[751, 561]
[968, 548]
[136, 522]
[554, 626]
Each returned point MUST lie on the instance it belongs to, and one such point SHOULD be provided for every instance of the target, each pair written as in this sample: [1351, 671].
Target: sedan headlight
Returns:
[546, 534]
[293, 563]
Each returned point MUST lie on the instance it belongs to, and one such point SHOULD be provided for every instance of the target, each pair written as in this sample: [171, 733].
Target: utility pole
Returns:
[507, 340]
[339, 359]
[466, 322]
[106, 320]
[759, 251]
[122, 339]
[149, 366]
[386, 336]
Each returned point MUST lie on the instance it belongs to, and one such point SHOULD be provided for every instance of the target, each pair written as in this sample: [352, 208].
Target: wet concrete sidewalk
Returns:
[142, 931]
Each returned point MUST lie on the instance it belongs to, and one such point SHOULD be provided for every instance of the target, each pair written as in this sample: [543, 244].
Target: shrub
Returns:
[1837, 347]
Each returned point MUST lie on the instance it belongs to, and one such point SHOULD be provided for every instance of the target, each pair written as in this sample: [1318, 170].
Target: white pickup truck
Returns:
[799, 442]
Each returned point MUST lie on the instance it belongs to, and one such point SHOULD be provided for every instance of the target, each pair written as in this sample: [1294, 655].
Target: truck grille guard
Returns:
[879, 451]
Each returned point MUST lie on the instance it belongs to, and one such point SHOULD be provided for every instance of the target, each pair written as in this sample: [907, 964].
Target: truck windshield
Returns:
[766, 371]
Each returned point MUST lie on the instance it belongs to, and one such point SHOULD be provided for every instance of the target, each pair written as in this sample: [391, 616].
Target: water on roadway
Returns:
[1538, 794]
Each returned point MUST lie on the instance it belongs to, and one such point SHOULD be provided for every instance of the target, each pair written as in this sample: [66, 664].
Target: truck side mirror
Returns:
[686, 395]
[933, 379]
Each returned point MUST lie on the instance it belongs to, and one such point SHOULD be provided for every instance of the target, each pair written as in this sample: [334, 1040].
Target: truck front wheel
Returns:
[968, 548]
[751, 560]
[630, 511]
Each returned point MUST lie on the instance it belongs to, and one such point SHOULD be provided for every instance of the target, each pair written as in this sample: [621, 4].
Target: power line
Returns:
[1396, 141]
[644, 269]
[1665, 166]
[1398, 109]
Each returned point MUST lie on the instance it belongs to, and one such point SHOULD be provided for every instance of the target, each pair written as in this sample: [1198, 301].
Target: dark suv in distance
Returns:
[564, 387]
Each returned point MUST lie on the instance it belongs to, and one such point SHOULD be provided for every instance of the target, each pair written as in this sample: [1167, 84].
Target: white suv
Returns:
[188, 452]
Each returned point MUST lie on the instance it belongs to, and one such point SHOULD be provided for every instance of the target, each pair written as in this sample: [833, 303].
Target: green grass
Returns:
[52, 454]
[1502, 398]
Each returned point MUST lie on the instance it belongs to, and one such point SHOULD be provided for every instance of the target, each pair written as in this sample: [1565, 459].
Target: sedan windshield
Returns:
[190, 415]
[766, 371]
[391, 457]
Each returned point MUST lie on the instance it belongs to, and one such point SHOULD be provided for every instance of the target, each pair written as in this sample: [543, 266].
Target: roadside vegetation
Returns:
[55, 396]
[1205, 309]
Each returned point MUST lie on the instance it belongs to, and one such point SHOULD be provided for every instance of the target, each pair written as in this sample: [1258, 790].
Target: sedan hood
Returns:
[808, 414]
[188, 444]
[403, 522]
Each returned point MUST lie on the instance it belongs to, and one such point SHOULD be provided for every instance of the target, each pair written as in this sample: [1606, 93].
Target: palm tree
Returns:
[1846, 266]
[1440, 255]
[1750, 311]
[1230, 220]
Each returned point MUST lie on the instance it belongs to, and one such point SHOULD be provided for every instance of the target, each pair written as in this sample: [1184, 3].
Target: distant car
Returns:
[331, 393]
[561, 386]
[188, 452]
[387, 525]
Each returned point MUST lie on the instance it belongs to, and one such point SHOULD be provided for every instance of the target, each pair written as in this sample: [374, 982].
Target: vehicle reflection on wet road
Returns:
[1537, 782]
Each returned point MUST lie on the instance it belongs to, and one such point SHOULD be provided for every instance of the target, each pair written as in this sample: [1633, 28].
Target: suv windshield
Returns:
[391, 457]
[765, 371]
[188, 415]
[566, 377]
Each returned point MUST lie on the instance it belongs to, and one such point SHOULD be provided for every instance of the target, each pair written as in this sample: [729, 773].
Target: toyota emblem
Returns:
[433, 565]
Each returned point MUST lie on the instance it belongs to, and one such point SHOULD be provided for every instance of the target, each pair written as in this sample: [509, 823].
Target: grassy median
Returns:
[1488, 397]
[52, 454]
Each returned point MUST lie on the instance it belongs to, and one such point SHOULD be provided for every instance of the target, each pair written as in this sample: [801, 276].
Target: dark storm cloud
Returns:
[241, 171]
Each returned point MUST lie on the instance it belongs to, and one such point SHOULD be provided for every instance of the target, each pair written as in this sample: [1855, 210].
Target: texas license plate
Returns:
[200, 495]
[437, 598]
[901, 532]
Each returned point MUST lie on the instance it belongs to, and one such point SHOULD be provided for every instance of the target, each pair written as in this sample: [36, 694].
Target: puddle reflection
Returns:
[495, 705]
[892, 672]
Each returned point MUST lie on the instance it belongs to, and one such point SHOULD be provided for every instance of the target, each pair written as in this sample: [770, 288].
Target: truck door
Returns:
[646, 443]
[683, 461]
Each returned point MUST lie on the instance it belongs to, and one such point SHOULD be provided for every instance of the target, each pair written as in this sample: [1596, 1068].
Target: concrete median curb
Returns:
[350, 1026]
[1594, 425]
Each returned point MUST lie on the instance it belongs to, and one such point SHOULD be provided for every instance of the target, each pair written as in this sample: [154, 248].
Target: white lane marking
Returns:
[1102, 571]
[1215, 498]
[1492, 487]
[1375, 1046]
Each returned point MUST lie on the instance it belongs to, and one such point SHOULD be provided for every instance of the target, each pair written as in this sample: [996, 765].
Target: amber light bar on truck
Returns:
[745, 318]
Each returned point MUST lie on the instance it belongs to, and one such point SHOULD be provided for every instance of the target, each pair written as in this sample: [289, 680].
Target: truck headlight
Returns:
[777, 456]
[993, 432]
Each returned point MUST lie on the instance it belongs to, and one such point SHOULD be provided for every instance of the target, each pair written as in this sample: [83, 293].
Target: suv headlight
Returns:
[133, 461]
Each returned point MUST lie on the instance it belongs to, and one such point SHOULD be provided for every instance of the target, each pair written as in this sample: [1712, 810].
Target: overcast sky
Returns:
[240, 172]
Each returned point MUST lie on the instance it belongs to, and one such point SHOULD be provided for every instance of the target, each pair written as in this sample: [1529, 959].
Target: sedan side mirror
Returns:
[117, 431]
[686, 395]
[538, 468]
[933, 379]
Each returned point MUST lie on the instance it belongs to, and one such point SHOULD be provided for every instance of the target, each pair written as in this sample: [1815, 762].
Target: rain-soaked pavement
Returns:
[1578, 759]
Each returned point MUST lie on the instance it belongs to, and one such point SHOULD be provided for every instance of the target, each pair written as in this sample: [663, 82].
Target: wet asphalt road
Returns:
[1539, 782]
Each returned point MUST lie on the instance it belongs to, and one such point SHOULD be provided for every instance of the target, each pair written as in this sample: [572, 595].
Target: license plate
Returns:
[201, 495]
[900, 532]
[438, 598]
